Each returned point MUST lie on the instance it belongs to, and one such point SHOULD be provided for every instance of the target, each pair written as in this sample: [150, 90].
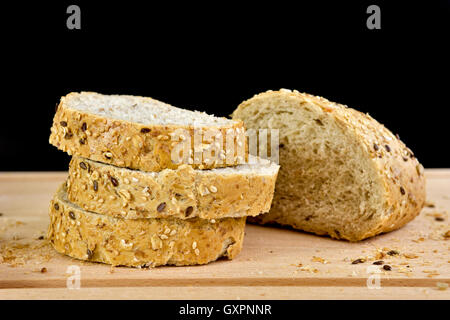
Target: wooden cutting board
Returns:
[275, 263]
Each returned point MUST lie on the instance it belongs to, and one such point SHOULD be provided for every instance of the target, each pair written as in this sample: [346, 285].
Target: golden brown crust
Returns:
[127, 144]
[400, 172]
[182, 193]
[141, 242]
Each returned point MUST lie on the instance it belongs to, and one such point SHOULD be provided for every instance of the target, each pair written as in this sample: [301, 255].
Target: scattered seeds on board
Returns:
[44, 270]
[387, 267]
[393, 252]
[378, 263]
[358, 261]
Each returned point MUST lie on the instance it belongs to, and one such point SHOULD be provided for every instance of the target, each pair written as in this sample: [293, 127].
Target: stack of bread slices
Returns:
[127, 200]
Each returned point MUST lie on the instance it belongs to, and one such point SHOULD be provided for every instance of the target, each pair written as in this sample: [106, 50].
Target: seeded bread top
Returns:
[139, 110]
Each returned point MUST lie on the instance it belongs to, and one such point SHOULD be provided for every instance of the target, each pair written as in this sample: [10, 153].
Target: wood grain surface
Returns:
[275, 263]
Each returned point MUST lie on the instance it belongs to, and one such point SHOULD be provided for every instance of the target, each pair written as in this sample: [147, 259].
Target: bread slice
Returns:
[140, 133]
[184, 193]
[342, 173]
[142, 242]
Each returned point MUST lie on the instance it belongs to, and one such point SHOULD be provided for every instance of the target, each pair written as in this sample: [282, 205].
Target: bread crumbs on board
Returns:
[19, 253]
[442, 286]
[319, 259]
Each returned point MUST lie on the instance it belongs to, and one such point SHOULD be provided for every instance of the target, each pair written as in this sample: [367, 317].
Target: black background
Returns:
[212, 55]
[288, 309]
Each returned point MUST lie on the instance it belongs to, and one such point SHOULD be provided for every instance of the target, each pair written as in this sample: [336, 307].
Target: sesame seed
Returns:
[197, 252]
[213, 189]
[164, 237]
[204, 191]
[194, 245]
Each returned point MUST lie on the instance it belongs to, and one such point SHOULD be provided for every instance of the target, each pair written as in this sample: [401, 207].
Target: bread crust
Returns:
[143, 242]
[127, 144]
[400, 173]
[183, 193]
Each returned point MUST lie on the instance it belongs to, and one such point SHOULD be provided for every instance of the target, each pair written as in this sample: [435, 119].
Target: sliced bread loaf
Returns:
[143, 133]
[342, 173]
[142, 242]
[185, 193]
